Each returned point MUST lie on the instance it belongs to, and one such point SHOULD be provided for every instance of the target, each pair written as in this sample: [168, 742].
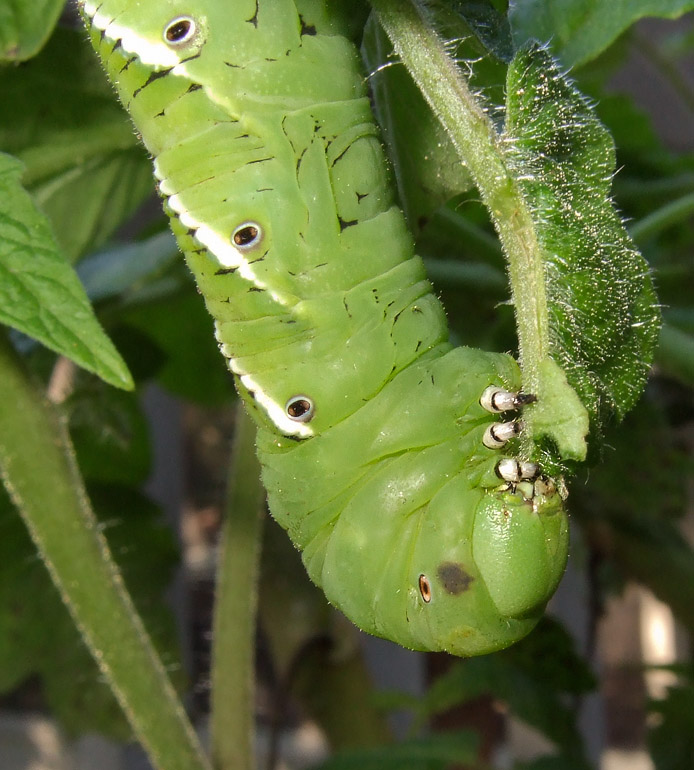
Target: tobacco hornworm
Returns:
[382, 446]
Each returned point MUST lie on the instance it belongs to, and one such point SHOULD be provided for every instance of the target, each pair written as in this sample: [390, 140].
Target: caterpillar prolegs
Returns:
[382, 446]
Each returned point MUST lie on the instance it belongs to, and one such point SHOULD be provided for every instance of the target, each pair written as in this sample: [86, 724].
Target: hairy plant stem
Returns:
[236, 607]
[481, 150]
[40, 472]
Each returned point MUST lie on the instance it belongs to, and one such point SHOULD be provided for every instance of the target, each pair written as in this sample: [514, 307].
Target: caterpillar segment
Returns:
[386, 452]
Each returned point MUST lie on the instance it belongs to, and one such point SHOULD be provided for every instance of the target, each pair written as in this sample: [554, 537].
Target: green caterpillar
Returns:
[382, 446]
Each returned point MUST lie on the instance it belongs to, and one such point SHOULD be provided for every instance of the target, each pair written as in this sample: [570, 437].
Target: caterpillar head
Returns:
[484, 588]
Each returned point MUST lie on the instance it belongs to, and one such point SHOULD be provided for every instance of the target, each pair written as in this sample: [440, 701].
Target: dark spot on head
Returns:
[454, 578]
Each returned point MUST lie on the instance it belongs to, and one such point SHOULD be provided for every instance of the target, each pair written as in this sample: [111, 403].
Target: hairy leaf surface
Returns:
[602, 313]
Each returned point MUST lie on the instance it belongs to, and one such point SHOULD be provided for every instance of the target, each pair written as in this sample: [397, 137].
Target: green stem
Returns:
[39, 470]
[235, 607]
[479, 147]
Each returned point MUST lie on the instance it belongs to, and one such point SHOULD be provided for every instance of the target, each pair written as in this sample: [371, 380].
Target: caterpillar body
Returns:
[382, 445]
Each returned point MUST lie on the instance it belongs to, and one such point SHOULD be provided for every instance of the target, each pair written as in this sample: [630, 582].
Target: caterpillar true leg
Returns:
[497, 400]
[499, 433]
[516, 470]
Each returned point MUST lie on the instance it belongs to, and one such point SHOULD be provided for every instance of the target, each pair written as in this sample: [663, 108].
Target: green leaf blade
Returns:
[579, 30]
[40, 295]
[25, 26]
[602, 310]
[76, 143]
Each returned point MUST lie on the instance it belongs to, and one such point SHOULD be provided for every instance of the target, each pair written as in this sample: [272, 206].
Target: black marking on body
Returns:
[226, 271]
[375, 293]
[235, 66]
[454, 579]
[191, 231]
[344, 224]
[344, 302]
[116, 46]
[299, 160]
[192, 57]
[255, 288]
[153, 77]
[292, 437]
[254, 19]
[260, 160]
[340, 156]
[417, 309]
[306, 29]
[191, 89]
[361, 196]
[127, 64]
[264, 189]
[419, 345]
